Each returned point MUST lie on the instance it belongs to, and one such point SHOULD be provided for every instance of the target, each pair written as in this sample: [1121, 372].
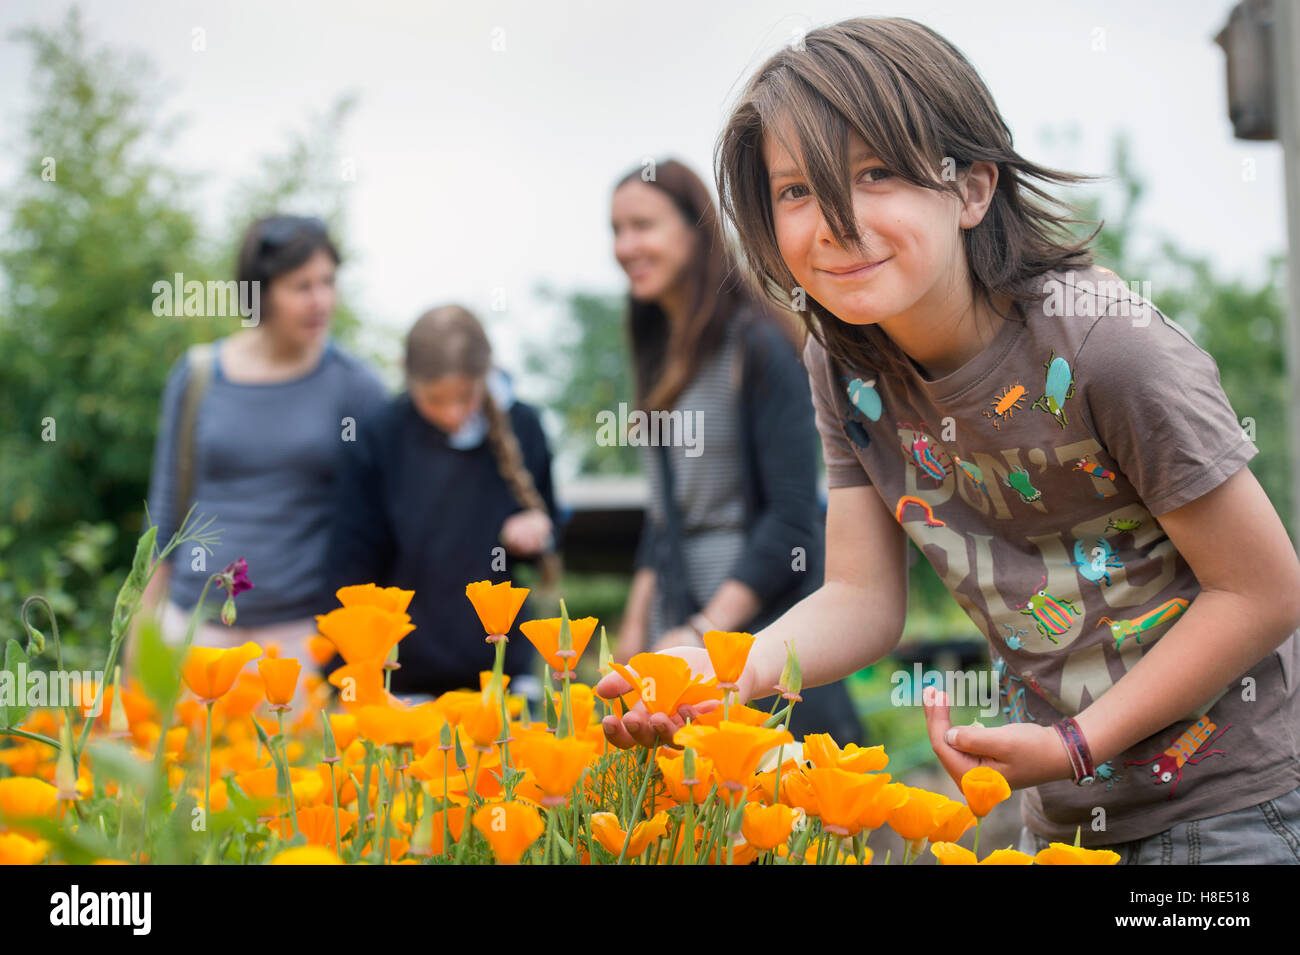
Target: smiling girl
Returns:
[1060, 450]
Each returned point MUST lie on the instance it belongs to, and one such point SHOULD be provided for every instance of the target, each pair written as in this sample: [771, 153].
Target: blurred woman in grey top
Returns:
[280, 401]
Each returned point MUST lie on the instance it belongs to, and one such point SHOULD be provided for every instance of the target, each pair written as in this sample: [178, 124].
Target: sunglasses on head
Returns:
[281, 230]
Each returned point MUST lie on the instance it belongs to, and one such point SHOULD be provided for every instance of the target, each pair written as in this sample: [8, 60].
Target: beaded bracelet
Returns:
[1077, 749]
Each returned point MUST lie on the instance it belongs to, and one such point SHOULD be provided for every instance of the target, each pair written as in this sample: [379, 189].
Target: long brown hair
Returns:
[922, 109]
[449, 340]
[666, 357]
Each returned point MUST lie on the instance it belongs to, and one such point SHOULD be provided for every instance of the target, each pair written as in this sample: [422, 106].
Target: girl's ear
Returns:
[978, 186]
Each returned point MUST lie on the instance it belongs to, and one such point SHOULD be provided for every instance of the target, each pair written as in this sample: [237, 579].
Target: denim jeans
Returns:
[1265, 834]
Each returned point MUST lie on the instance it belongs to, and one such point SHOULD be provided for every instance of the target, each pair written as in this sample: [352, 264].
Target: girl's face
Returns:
[448, 402]
[911, 234]
[300, 303]
[652, 240]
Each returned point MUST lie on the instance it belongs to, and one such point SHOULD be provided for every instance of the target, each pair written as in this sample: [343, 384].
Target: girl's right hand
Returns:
[638, 725]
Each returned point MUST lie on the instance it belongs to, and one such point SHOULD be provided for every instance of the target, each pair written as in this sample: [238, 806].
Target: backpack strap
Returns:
[202, 360]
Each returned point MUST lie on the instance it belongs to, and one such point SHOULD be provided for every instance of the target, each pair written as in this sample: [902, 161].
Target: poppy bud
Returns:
[228, 612]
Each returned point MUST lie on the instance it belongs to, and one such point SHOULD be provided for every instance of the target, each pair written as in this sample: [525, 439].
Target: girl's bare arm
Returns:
[853, 619]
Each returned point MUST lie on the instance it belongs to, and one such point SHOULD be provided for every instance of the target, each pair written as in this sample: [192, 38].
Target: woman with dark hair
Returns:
[733, 534]
[251, 434]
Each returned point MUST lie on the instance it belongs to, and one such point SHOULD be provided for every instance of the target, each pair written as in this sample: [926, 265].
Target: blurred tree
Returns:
[95, 218]
[588, 367]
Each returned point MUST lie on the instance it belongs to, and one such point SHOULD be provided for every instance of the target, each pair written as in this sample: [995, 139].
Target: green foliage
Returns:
[588, 366]
[95, 219]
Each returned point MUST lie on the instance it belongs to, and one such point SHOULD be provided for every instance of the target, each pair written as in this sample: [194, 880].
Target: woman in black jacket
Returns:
[450, 485]
[733, 534]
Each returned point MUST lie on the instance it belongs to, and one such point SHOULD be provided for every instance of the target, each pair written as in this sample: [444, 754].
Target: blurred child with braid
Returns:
[450, 485]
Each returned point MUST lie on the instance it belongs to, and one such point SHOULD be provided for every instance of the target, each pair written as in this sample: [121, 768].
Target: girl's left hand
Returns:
[1026, 754]
[527, 533]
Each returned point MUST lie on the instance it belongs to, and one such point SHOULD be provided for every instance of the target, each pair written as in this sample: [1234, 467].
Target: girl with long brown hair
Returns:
[1060, 450]
[452, 484]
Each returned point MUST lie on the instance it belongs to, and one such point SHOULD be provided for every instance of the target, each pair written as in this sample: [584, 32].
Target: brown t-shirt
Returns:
[1031, 478]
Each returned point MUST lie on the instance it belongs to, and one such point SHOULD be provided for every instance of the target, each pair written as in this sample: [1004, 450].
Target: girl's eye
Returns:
[782, 193]
[884, 174]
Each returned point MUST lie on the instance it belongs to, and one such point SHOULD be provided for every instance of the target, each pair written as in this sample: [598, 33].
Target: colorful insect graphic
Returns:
[1015, 711]
[1052, 616]
[865, 398]
[1123, 524]
[1096, 470]
[973, 472]
[1107, 772]
[1012, 639]
[857, 433]
[1098, 565]
[1153, 618]
[1018, 481]
[1184, 750]
[923, 450]
[930, 519]
[1059, 387]
[1005, 404]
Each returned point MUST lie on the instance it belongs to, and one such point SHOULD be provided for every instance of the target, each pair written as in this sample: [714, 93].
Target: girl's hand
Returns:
[1026, 754]
[527, 533]
[638, 725]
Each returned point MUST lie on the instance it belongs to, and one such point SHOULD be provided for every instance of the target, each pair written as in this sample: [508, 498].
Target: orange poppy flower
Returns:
[736, 713]
[557, 764]
[307, 855]
[389, 725]
[19, 850]
[321, 649]
[388, 599]
[797, 792]
[728, 653]
[673, 767]
[984, 788]
[890, 797]
[949, 853]
[607, 831]
[317, 824]
[545, 636]
[660, 680]
[482, 723]
[24, 799]
[496, 605]
[823, 751]
[509, 827]
[763, 787]
[364, 633]
[455, 823]
[210, 672]
[583, 700]
[344, 728]
[734, 748]
[844, 797]
[1058, 853]
[281, 678]
[360, 684]
[914, 819]
[1007, 857]
[951, 820]
[766, 827]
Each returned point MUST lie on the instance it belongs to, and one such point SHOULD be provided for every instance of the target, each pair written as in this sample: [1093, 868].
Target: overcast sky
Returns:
[488, 134]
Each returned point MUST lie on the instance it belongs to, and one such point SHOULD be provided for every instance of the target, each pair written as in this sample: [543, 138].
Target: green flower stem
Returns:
[34, 737]
[640, 801]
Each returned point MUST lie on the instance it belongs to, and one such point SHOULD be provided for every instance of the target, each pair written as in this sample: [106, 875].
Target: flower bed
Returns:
[204, 758]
